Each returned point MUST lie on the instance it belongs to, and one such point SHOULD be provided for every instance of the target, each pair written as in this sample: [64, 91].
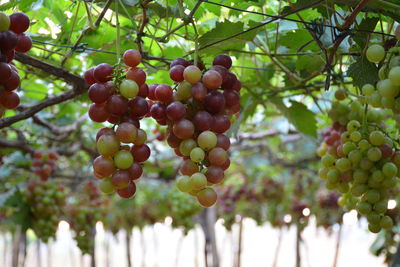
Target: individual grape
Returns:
[5, 72]
[207, 197]
[176, 73]
[137, 75]
[89, 76]
[106, 186]
[214, 174]
[223, 60]
[4, 22]
[183, 129]
[140, 153]
[203, 120]
[340, 94]
[19, 22]
[129, 89]
[226, 165]
[386, 222]
[13, 82]
[197, 181]
[387, 89]
[132, 57]
[374, 228]
[192, 74]
[107, 145]
[158, 111]
[343, 164]
[9, 100]
[135, 171]
[182, 183]
[237, 85]
[152, 89]
[138, 107]
[103, 166]
[186, 146]
[24, 43]
[207, 140]
[9, 41]
[179, 61]
[394, 76]
[127, 192]
[188, 167]
[175, 111]
[98, 113]
[197, 154]
[117, 105]
[164, 93]
[120, 179]
[198, 91]
[212, 79]
[126, 132]
[98, 93]
[143, 90]
[214, 102]
[104, 131]
[217, 156]
[374, 154]
[368, 89]
[389, 169]
[230, 82]
[103, 72]
[375, 53]
[223, 141]
[173, 141]
[184, 90]
[377, 138]
[221, 70]
[221, 124]
[231, 98]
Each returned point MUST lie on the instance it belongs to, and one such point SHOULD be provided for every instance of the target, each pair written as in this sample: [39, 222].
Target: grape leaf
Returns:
[362, 71]
[21, 215]
[367, 24]
[164, 11]
[299, 115]
[225, 30]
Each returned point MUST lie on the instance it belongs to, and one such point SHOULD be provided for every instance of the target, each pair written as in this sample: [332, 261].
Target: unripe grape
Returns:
[386, 222]
[197, 154]
[4, 22]
[375, 53]
[207, 197]
[107, 145]
[106, 186]
[192, 74]
[123, 159]
[394, 76]
[197, 181]
[207, 140]
[129, 88]
[182, 183]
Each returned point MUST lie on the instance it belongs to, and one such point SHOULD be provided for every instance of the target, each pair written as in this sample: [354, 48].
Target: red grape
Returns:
[24, 43]
[163, 93]
[140, 153]
[223, 60]
[98, 93]
[19, 22]
[103, 72]
[117, 105]
[98, 113]
[137, 75]
[183, 129]
[198, 91]
[127, 192]
[176, 73]
[175, 111]
[132, 57]
[9, 100]
[214, 102]
[138, 107]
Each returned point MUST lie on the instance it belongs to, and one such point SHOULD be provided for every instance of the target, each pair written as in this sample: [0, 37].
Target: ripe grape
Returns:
[163, 93]
[98, 93]
[198, 91]
[19, 22]
[192, 74]
[140, 153]
[207, 197]
[214, 102]
[223, 60]
[212, 79]
[5, 72]
[137, 75]
[183, 129]
[127, 192]
[176, 73]
[175, 111]
[24, 43]
[120, 179]
[117, 105]
[103, 72]
[132, 58]
[103, 166]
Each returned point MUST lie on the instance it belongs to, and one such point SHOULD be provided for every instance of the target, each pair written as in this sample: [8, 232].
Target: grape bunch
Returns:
[47, 200]
[197, 114]
[84, 213]
[123, 103]
[12, 39]
[43, 164]
[359, 160]
[386, 92]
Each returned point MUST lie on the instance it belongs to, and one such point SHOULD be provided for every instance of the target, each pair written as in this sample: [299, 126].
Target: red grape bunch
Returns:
[47, 200]
[12, 39]
[197, 114]
[121, 102]
[43, 164]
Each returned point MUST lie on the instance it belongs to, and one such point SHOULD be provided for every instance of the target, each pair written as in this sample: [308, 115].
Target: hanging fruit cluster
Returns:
[360, 161]
[47, 200]
[12, 39]
[84, 213]
[43, 164]
[120, 102]
[197, 115]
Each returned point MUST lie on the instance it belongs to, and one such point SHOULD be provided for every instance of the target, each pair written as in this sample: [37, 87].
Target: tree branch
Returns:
[59, 130]
[16, 144]
[79, 88]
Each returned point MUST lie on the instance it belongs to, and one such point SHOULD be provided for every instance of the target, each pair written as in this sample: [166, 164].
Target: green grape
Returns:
[360, 177]
[186, 146]
[183, 90]
[183, 184]
[197, 181]
[374, 218]
[123, 159]
[364, 208]
[364, 145]
[374, 228]
[333, 176]
[372, 196]
[343, 164]
[328, 160]
[197, 154]
[389, 169]
[4, 22]
[386, 222]
[389, 182]
[374, 154]
[129, 88]
[375, 53]
[355, 156]
[106, 186]
[377, 176]
[381, 206]
[394, 76]
[387, 102]
[387, 89]
[377, 138]
[353, 125]
[355, 136]
[343, 187]
[375, 99]
[358, 190]
[207, 140]
[322, 173]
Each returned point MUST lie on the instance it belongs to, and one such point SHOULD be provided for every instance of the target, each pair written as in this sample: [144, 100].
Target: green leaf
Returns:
[367, 24]
[362, 71]
[225, 30]
[310, 63]
[22, 215]
[130, 2]
[296, 39]
[299, 115]
[164, 11]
